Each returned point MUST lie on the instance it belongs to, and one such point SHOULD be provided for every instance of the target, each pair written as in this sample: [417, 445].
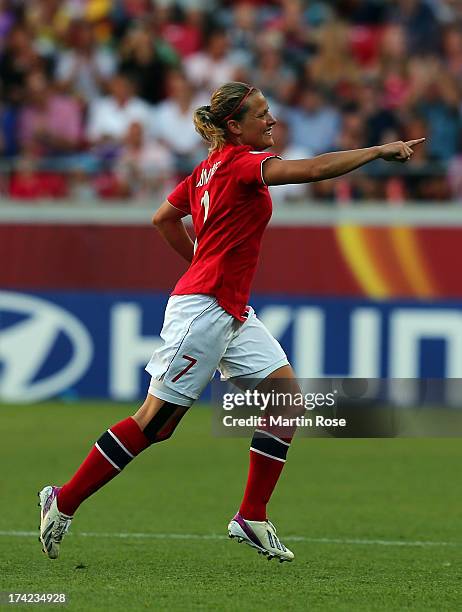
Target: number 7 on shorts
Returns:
[192, 361]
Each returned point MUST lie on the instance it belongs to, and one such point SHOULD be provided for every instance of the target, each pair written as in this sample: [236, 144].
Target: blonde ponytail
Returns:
[205, 124]
[230, 101]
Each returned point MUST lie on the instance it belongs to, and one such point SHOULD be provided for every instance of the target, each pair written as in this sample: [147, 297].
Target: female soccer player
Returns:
[208, 324]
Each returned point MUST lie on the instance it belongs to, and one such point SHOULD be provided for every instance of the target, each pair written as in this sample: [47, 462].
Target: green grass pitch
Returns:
[374, 524]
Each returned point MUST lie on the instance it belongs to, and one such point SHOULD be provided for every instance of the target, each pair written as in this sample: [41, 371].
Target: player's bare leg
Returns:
[267, 457]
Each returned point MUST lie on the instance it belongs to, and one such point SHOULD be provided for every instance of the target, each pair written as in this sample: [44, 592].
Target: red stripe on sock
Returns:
[96, 470]
[263, 475]
[131, 436]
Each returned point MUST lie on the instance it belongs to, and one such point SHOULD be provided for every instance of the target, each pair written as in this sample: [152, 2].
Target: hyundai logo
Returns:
[26, 344]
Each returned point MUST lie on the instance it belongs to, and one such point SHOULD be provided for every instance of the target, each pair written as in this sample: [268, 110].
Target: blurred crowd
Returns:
[96, 96]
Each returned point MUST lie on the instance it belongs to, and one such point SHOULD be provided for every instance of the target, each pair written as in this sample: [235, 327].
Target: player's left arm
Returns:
[329, 165]
[168, 221]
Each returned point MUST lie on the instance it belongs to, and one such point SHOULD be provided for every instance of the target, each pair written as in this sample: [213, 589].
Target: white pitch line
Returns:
[195, 536]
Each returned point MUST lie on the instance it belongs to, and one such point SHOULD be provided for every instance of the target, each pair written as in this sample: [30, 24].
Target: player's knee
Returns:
[148, 410]
[163, 424]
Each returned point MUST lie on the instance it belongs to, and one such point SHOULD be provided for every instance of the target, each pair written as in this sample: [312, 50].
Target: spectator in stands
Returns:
[352, 135]
[8, 129]
[111, 115]
[144, 65]
[242, 26]
[30, 183]
[363, 12]
[324, 68]
[17, 59]
[50, 124]
[352, 131]
[277, 79]
[100, 12]
[314, 122]
[420, 25]
[136, 9]
[47, 22]
[7, 20]
[440, 107]
[296, 23]
[210, 68]
[447, 11]
[145, 168]
[426, 179]
[173, 126]
[84, 68]
[381, 124]
[452, 50]
[421, 72]
[182, 27]
[393, 67]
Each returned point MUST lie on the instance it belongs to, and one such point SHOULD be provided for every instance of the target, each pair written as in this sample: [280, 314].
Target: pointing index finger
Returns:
[412, 143]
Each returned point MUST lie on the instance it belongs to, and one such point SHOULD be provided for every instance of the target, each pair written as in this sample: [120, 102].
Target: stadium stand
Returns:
[96, 96]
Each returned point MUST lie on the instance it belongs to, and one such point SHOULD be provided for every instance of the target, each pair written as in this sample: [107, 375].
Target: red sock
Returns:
[111, 453]
[267, 458]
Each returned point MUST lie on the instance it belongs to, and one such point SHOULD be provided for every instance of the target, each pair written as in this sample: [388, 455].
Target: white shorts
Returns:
[199, 338]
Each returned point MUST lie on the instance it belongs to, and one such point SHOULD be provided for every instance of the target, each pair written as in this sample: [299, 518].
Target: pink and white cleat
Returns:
[53, 523]
[260, 535]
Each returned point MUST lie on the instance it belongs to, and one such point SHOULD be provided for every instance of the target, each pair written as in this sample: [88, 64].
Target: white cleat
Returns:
[260, 535]
[53, 523]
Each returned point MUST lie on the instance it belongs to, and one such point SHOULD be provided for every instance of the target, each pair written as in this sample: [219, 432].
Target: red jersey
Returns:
[230, 207]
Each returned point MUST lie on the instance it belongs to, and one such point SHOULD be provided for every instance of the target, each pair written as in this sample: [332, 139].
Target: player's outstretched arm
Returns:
[167, 220]
[329, 165]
